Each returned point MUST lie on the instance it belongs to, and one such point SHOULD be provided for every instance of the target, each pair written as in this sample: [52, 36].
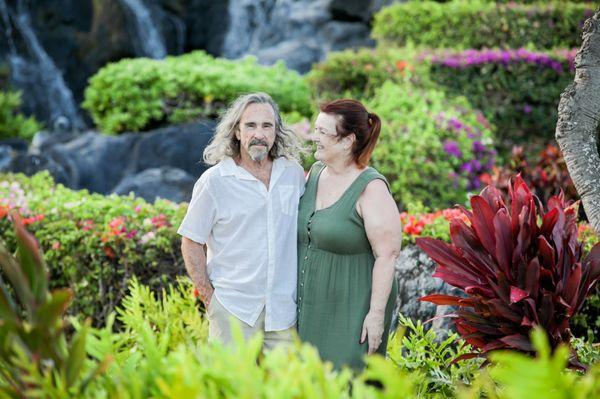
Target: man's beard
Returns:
[258, 153]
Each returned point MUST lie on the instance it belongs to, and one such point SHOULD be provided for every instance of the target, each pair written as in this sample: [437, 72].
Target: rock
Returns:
[97, 162]
[168, 183]
[15, 143]
[7, 154]
[297, 54]
[30, 164]
[342, 35]
[414, 271]
[101, 163]
[179, 146]
[45, 139]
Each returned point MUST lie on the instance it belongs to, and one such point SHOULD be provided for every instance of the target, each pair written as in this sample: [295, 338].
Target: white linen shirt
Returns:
[250, 233]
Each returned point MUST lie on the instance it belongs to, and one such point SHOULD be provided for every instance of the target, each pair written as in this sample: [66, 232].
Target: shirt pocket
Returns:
[288, 199]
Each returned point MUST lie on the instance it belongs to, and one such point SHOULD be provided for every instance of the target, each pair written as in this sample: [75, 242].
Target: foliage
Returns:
[95, 243]
[13, 123]
[516, 274]
[36, 356]
[431, 359]
[517, 90]
[547, 176]
[358, 73]
[431, 149]
[515, 375]
[481, 24]
[139, 94]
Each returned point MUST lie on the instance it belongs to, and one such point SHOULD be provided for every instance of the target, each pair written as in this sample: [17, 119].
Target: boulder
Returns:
[414, 270]
[167, 182]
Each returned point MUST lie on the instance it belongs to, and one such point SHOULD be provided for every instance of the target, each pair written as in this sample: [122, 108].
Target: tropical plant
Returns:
[36, 356]
[515, 273]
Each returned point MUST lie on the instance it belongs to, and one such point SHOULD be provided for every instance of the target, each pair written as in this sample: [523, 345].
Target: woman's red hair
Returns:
[353, 117]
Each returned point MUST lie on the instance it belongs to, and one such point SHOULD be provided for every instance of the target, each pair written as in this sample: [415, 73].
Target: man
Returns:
[243, 211]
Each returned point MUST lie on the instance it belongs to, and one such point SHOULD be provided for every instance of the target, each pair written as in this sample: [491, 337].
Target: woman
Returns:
[349, 236]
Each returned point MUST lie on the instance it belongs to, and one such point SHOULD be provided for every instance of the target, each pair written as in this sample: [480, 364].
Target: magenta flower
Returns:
[451, 148]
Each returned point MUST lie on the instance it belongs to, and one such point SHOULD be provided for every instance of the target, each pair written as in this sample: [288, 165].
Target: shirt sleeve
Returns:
[201, 213]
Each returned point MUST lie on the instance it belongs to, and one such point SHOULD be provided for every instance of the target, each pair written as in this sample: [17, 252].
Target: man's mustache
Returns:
[257, 142]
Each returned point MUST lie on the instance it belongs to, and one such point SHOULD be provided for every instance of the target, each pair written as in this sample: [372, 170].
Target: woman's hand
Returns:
[373, 330]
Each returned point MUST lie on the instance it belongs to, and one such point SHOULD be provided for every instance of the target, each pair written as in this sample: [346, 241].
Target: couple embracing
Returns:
[281, 254]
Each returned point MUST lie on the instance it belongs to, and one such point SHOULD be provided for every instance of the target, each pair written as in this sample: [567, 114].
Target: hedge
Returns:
[140, 94]
[481, 24]
[517, 89]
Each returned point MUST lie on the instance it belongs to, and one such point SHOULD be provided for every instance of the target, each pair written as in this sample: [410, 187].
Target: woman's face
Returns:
[328, 144]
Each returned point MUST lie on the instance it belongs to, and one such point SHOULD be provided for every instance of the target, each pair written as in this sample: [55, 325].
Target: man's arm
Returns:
[194, 258]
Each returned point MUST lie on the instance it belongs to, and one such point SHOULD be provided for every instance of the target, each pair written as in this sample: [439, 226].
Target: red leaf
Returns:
[504, 240]
[572, 285]
[445, 255]
[440, 299]
[518, 341]
[516, 294]
[547, 253]
[493, 197]
[483, 222]
[532, 277]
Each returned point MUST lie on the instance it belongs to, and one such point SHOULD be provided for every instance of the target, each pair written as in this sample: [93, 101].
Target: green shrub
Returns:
[94, 243]
[517, 90]
[13, 123]
[480, 24]
[138, 94]
[358, 73]
[431, 149]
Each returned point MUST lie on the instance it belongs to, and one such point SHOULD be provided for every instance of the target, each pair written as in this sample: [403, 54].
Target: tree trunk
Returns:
[578, 116]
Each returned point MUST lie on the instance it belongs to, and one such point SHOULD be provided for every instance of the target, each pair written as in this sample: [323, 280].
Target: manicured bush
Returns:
[13, 123]
[516, 273]
[138, 94]
[358, 73]
[481, 24]
[517, 90]
[94, 243]
[432, 149]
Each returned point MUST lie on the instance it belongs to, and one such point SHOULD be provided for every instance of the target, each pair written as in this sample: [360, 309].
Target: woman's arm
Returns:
[384, 231]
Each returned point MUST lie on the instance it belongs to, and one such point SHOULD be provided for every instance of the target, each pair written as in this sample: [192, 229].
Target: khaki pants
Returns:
[219, 327]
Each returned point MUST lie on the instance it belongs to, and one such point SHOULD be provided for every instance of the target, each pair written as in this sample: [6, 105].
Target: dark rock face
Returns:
[414, 271]
[166, 182]
[163, 163]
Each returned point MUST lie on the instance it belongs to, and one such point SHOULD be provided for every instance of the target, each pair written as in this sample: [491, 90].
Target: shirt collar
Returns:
[230, 168]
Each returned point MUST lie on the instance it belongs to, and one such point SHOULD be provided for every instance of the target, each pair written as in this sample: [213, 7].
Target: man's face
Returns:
[256, 131]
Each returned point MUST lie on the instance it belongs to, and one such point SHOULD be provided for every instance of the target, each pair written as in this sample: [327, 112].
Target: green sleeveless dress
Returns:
[335, 266]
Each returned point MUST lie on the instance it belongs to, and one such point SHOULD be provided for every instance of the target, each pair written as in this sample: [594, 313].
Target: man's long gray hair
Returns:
[224, 143]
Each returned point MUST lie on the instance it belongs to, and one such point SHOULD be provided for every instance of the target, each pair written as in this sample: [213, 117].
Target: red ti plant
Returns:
[516, 274]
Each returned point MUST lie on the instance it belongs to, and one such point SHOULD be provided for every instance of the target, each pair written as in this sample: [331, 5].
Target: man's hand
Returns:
[205, 293]
[373, 330]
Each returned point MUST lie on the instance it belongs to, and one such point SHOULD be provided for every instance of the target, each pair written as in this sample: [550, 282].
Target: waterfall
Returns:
[149, 38]
[43, 83]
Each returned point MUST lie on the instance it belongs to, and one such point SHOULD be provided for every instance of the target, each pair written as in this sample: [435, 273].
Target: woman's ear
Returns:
[349, 140]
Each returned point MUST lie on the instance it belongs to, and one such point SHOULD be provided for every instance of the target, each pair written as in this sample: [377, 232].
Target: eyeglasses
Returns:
[323, 134]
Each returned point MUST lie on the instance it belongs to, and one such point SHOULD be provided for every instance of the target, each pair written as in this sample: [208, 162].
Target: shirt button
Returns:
[306, 257]
[302, 271]
[301, 284]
